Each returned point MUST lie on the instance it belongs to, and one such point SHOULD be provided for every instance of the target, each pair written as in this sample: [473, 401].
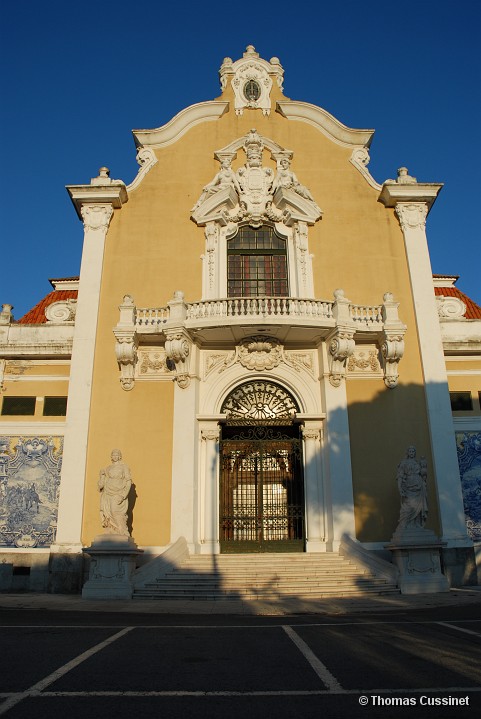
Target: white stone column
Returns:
[96, 218]
[336, 458]
[412, 217]
[316, 530]
[208, 500]
[184, 518]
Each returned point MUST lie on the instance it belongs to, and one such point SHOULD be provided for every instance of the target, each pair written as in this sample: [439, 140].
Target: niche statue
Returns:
[411, 480]
[114, 487]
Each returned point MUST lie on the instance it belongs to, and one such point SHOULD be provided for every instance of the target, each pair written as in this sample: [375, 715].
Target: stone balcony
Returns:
[292, 321]
[226, 319]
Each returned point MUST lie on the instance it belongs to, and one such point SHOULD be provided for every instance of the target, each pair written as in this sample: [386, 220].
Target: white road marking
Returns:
[321, 670]
[35, 689]
[459, 629]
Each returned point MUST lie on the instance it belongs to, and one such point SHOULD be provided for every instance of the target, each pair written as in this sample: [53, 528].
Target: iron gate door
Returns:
[261, 490]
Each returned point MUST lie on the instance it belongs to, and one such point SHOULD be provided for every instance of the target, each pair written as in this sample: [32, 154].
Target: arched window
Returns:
[257, 263]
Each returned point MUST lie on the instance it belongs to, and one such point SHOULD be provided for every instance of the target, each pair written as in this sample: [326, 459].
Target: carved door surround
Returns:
[255, 195]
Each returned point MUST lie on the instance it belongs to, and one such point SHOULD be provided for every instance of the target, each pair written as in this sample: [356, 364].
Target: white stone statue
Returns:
[287, 179]
[225, 178]
[114, 487]
[411, 480]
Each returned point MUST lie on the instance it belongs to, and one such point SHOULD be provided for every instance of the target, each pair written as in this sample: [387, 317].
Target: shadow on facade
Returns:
[380, 431]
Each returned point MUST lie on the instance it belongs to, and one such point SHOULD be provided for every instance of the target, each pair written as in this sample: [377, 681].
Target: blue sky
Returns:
[76, 78]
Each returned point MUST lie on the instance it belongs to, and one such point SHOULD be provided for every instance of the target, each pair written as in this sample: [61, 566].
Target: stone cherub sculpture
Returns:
[114, 486]
[411, 479]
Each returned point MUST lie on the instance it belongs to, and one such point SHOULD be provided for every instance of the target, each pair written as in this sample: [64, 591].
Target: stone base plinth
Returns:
[113, 558]
[416, 553]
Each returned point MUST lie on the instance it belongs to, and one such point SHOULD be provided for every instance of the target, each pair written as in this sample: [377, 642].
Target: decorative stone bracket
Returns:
[341, 341]
[178, 343]
[341, 346]
[127, 343]
[177, 349]
[392, 347]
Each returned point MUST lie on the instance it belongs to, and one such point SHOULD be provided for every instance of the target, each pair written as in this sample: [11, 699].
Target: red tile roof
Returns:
[36, 315]
[473, 311]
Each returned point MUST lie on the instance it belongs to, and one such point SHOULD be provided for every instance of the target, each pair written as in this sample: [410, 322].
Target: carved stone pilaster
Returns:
[211, 245]
[304, 260]
[412, 215]
[96, 217]
[178, 349]
[392, 345]
[127, 343]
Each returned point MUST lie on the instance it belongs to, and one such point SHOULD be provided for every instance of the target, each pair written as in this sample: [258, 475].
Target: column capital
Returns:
[412, 215]
[102, 191]
[425, 193]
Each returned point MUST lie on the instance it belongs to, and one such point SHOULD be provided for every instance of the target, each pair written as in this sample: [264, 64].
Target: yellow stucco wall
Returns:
[14, 385]
[153, 249]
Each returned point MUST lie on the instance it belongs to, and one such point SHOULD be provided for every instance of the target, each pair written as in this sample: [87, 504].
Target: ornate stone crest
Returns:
[255, 194]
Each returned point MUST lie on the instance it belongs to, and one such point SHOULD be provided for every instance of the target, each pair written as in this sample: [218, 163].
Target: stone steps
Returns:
[265, 576]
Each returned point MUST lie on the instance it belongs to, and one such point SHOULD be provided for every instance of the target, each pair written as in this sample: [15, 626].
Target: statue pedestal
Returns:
[113, 559]
[416, 553]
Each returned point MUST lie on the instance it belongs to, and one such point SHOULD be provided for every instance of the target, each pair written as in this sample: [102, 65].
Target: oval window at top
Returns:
[252, 90]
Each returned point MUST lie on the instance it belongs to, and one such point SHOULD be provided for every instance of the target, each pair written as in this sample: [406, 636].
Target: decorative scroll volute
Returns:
[177, 350]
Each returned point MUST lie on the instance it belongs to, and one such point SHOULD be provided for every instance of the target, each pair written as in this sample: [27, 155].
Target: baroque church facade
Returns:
[256, 327]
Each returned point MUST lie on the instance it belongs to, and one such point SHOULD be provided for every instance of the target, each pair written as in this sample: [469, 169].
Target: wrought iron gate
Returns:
[261, 489]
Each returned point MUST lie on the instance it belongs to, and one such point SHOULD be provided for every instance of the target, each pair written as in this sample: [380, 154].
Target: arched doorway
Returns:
[261, 482]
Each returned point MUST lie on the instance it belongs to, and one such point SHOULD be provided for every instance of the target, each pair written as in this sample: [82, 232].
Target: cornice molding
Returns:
[114, 195]
[325, 123]
[393, 193]
[182, 122]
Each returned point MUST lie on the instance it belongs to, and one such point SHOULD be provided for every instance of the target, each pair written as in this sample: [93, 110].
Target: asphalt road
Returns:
[408, 664]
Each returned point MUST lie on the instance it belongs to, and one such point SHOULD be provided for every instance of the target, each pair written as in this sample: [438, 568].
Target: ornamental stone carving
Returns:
[258, 353]
[126, 353]
[411, 480]
[114, 486]
[62, 311]
[412, 215]
[152, 363]
[251, 79]
[341, 346]
[96, 217]
[146, 159]
[6, 316]
[450, 308]
[311, 434]
[403, 178]
[210, 435]
[340, 342]
[127, 343]
[177, 350]
[392, 346]
[254, 193]
[364, 362]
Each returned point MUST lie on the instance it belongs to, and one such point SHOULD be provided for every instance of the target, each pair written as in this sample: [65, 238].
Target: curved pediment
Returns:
[180, 124]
